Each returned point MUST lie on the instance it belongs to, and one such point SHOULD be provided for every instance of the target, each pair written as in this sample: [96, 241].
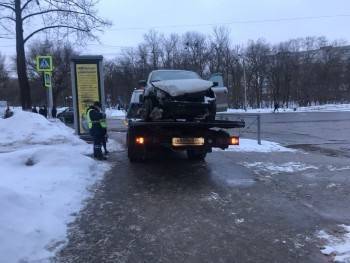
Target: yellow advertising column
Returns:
[87, 86]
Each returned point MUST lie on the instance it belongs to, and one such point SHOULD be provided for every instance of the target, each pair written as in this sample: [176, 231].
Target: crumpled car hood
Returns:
[183, 86]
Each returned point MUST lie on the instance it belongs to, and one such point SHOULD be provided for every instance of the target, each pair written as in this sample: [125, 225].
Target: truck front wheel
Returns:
[196, 154]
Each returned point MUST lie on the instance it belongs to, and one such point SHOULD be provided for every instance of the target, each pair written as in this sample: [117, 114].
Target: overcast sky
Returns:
[247, 19]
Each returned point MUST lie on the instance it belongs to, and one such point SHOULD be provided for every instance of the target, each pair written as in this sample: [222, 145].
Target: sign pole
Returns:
[49, 101]
[44, 64]
[47, 79]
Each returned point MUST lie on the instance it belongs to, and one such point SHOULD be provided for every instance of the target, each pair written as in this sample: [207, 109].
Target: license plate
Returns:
[188, 141]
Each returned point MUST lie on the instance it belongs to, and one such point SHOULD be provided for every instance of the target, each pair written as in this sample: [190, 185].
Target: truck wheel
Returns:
[196, 154]
[134, 154]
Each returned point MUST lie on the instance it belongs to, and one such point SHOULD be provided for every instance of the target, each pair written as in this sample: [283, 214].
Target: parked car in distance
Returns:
[66, 116]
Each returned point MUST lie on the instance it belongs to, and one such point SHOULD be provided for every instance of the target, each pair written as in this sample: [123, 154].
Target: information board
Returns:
[87, 88]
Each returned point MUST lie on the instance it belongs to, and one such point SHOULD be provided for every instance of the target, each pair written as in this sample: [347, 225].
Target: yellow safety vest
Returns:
[102, 122]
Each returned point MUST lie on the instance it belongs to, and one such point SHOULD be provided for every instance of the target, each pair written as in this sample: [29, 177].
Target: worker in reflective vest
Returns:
[96, 121]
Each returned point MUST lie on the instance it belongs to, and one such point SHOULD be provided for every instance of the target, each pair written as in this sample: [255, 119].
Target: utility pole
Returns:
[245, 85]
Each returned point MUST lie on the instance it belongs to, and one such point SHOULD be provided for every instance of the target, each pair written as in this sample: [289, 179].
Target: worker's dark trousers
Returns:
[97, 146]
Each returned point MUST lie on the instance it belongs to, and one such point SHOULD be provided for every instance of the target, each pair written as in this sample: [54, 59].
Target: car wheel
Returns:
[148, 106]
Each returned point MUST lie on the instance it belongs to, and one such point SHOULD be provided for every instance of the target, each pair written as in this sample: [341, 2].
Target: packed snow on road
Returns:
[272, 168]
[337, 246]
[250, 145]
[45, 175]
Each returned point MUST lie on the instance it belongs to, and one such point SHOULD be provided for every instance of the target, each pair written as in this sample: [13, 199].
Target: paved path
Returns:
[231, 208]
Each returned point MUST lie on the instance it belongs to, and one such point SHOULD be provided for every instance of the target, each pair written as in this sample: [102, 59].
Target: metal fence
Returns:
[252, 122]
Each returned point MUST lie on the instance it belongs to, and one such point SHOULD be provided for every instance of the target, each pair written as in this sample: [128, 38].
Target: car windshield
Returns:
[173, 74]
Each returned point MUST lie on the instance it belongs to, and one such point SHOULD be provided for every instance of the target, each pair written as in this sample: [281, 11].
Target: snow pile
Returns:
[249, 145]
[337, 246]
[26, 128]
[318, 108]
[289, 167]
[115, 113]
[43, 181]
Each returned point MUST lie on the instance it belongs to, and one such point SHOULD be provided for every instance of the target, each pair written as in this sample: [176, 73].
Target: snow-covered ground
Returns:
[272, 168]
[45, 174]
[337, 246]
[115, 113]
[318, 108]
[249, 145]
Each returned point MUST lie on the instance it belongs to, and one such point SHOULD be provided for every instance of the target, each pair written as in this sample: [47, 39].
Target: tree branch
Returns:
[55, 26]
[7, 6]
[25, 5]
[60, 10]
[8, 17]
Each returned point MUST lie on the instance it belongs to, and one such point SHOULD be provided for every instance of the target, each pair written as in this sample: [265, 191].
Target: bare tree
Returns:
[196, 52]
[257, 54]
[27, 18]
[153, 42]
[3, 72]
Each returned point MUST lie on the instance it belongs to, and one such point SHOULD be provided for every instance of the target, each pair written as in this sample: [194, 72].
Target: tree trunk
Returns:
[23, 82]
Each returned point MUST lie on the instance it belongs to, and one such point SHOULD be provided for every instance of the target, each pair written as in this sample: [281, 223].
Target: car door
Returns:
[221, 92]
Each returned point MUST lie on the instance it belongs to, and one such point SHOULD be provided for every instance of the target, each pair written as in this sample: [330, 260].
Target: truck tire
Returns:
[135, 154]
[196, 154]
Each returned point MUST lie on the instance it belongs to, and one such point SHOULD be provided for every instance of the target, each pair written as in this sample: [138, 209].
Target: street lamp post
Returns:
[245, 85]
[244, 80]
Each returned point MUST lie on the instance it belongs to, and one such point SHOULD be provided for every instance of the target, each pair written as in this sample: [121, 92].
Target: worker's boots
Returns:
[98, 153]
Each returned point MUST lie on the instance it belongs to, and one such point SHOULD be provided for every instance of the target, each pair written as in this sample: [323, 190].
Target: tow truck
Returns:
[197, 138]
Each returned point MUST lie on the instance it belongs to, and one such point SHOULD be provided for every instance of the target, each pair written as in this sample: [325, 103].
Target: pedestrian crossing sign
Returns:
[44, 63]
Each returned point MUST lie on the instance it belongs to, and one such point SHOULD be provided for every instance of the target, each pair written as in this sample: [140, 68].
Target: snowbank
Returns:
[337, 246]
[26, 128]
[318, 108]
[115, 113]
[44, 178]
[249, 145]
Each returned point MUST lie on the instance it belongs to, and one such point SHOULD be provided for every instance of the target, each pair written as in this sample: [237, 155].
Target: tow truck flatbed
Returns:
[194, 124]
[196, 137]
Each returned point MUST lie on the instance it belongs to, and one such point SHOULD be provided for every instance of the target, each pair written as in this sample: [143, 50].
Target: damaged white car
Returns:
[180, 94]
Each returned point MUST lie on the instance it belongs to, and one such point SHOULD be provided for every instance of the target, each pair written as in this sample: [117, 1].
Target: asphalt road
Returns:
[231, 208]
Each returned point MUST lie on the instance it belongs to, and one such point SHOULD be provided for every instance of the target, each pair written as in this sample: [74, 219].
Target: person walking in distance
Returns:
[34, 110]
[97, 125]
[45, 111]
[41, 111]
[54, 112]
